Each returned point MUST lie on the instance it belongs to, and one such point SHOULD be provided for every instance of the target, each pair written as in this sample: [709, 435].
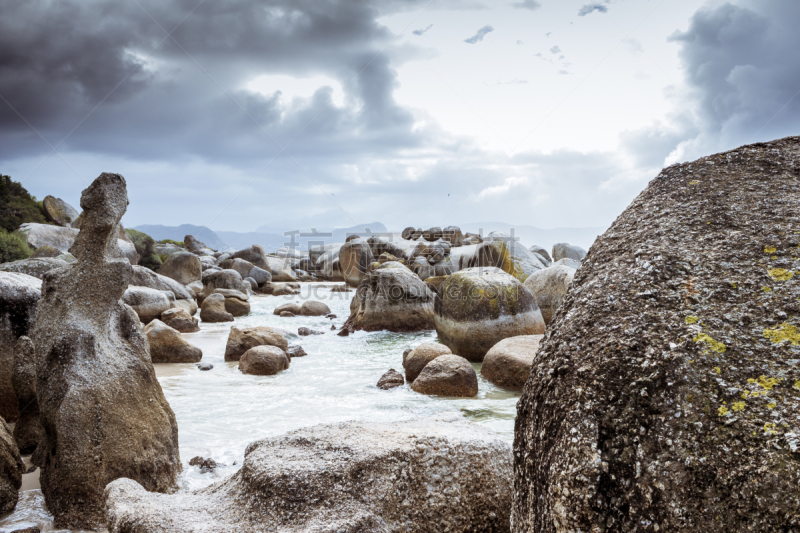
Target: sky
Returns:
[330, 113]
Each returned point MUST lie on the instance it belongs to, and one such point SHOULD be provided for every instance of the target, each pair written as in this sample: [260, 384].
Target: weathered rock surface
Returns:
[19, 296]
[180, 320]
[103, 411]
[355, 257]
[391, 379]
[479, 307]
[429, 475]
[263, 360]
[236, 302]
[419, 357]
[193, 245]
[242, 339]
[279, 268]
[28, 429]
[292, 307]
[393, 298]
[538, 250]
[147, 303]
[453, 235]
[502, 251]
[213, 309]
[447, 375]
[564, 250]
[664, 393]
[508, 363]
[295, 350]
[167, 345]
[59, 212]
[144, 277]
[11, 470]
[183, 267]
[36, 267]
[549, 288]
[222, 279]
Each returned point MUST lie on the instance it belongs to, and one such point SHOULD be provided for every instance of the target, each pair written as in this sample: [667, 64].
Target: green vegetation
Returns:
[170, 241]
[145, 247]
[13, 247]
[17, 206]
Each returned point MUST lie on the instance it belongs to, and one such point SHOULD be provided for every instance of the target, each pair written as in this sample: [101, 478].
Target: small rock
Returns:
[333, 327]
[205, 366]
[330, 315]
[447, 375]
[314, 308]
[291, 307]
[340, 288]
[287, 314]
[205, 465]
[305, 332]
[344, 332]
[391, 379]
[419, 357]
[295, 350]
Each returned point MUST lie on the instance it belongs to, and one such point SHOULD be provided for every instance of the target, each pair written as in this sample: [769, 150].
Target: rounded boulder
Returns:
[263, 361]
[447, 375]
[508, 363]
[419, 357]
[183, 267]
[167, 345]
[549, 287]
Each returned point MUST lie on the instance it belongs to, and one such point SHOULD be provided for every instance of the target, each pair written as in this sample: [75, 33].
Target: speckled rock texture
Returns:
[391, 297]
[508, 363]
[432, 475]
[549, 287]
[101, 406]
[28, 429]
[36, 267]
[11, 470]
[479, 307]
[242, 339]
[62, 239]
[19, 296]
[665, 394]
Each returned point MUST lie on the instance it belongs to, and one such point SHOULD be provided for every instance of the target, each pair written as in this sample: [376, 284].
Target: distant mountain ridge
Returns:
[177, 233]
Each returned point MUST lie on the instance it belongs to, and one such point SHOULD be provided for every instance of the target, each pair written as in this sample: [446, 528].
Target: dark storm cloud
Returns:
[479, 35]
[591, 8]
[60, 60]
[528, 4]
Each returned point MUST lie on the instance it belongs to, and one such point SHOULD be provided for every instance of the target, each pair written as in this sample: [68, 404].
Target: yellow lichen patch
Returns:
[738, 406]
[722, 411]
[797, 384]
[769, 428]
[784, 332]
[773, 257]
[714, 345]
[781, 274]
[734, 285]
[770, 250]
[772, 405]
[766, 289]
[745, 394]
[767, 383]
[693, 182]
[718, 370]
[691, 319]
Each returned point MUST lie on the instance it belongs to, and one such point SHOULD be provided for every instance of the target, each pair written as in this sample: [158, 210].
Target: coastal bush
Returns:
[145, 247]
[17, 206]
[13, 247]
[170, 241]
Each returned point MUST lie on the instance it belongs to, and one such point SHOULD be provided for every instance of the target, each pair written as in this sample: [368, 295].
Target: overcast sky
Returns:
[328, 113]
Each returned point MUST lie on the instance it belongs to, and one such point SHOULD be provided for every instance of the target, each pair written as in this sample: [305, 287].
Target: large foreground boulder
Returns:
[665, 395]
[183, 267]
[242, 339]
[19, 295]
[509, 362]
[427, 475]
[168, 346]
[393, 298]
[549, 287]
[479, 307]
[102, 408]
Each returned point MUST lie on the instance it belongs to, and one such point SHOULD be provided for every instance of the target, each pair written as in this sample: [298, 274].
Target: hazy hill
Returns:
[272, 237]
[177, 233]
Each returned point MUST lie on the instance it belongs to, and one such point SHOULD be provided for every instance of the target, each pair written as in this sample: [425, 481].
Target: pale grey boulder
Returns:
[479, 307]
[168, 346]
[252, 283]
[62, 239]
[567, 262]
[279, 268]
[508, 363]
[144, 277]
[329, 267]
[549, 287]
[428, 475]
[314, 308]
[183, 267]
[193, 245]
[19, 297]
[565, 250]
[391, 297]
[504, 252]
[541, 252]
[148, 303]
[259, 275]
[36, 267]
[422, 268]
[103, 411]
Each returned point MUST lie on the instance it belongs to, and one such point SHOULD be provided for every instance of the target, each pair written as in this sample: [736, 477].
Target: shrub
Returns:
[13, 247]
[145, 247]
[17, 206]
[170, 241]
